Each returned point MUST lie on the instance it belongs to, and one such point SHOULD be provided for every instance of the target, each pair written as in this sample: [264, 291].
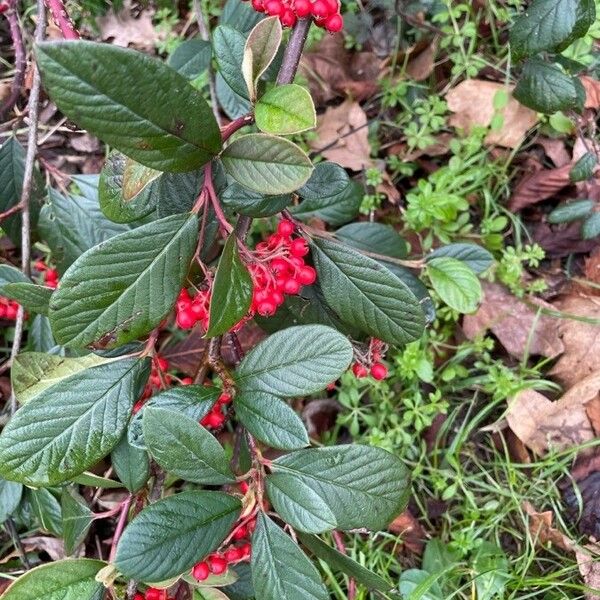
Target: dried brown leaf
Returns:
[555, 149]
[588, 560]
[539, 186]
[592, 91]
[541, 529]
[123, 29]
[409, 529]
[421, 64]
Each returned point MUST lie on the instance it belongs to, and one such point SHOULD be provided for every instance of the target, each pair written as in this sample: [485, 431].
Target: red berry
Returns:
[274, 8]
[297, 262]
[163, 364]
[240, 533]
[359, 370]
[288, 18]
[320, 9]
[291, 286]
[217, 564]
[11, 311]
[302, 8]
[201, 571]
[138, 596]
[156, 594]
[185, 320]
[258, 5]
[266, 308]
[224, 398]
[246, 550]
[244, 487]
[379, 371]
[285, 227]
[334, 23]
[278, 265]
[333, 6]
[232, 555]
[298, 246]
[213, 420]
[198, 310]
[277, 297]
[187, 381]
[307, 275]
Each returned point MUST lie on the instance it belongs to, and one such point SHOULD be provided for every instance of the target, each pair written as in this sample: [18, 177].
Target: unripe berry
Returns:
[217, 564]
[298, 247]
[307, 275]
[379, 371]
[359, 370]
[302, 8]
[201, 571]
[320, 9]
[288, 18]
[334, 23]
[285, 228]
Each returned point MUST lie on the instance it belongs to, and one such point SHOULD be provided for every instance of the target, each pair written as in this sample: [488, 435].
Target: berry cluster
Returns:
[371, 364]
[216, 418]
[190, 311]
[326, 13]
[8, 309]
[50, 275]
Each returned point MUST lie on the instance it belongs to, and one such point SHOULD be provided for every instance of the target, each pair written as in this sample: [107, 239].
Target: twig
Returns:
[10, 212]
[62, 20]
[34, 111]
[339, 542]
[14, 534]
[212, 194]
[20, 61]
[293, 52]
[120, 527]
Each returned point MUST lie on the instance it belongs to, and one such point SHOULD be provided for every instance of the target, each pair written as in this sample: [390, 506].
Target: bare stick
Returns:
[34, 111]
[20, 61]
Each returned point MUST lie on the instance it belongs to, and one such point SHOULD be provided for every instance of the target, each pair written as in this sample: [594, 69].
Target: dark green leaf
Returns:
[550, 25]
[239, 15]
[10, 274]
[184, 448]
[144, 268]
[374, 237]
[191, 58]
[72, 579]
[546, 89]
[365, 294]
[176, 193]
[131, 465]
[168, 537]
[242, 589]
[161, 121]
[280, 570]
[584, 168]
[285, 110]
[455, 283]
[10, 498]
[76, 519]
[246, 202]
[233, 105]
[298, 504]
[71, 426]
[267, 164]
[271, 420]
[228, 45]
[573, 211]
[363, 486]
[40, 335]
[231, 295]
[35, 298]
[295, 362]
[47, 510]
[591, 227]
[475, 257]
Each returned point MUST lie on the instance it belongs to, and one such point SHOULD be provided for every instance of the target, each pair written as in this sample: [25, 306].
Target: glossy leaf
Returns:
[191, 58]
[455, 283]
[475, 257]
[161, 121]
[373, 237]
[240, 15]
[233, 104]
[280, 570]
[246, 202]
[76, 519]
[47, 510]
[71, 426]
[584, 168]
[145, 267]
[168, 537]
[271, 420]
[363, 486]
[175, 193]
[131, 465]
[228, 45]
[365, 294]
[285, 110]
[232, 289]
[10, 498]
[184, 448]
[295, 362]
[34, 298]
[267, 164]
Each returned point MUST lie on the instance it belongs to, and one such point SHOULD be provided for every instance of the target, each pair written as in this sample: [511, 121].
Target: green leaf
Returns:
[374, 237]
[271, 420]
[40, 336]
[546, 89]
[252, 204]
[34, 372]
[239, 15]
[76, 519]
[591, 227]
[478, 259]
[72, 225]
[233, 105]
[298, 504]
[191, 58]
[184, 448]
[161, 121]
[267, 164]
[572, 211]
[550, 25]
[418, 584]
[259, 51]
[96, 481]
[280, 570]
[345, 564]
[47, 510]
[176, 193]
[145, 269]
[131, 465]
[71, 426]
[295, 362]
[10, 498]
[34, 298]
[124, 189]
[365, 294]
[285, 110]
[168, 537]
[10, 274]
[363, 486]
[584, 168]
[455, 283]
[438, 558]
[71, 579]
[228, 44]
[491, 571]
[231, 295]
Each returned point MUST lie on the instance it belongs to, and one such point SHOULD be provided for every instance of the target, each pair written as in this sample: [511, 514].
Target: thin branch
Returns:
[339, 542]
[124, 512]
[20, 61]
[293, 52]
[62, 20]
[34, 111]
[10, 526]
[13, 210]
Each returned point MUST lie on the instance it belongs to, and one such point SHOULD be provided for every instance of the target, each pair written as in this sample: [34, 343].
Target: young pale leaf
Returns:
[232, 290]
[267, 164]
[591, 227]
[191, 58]
[478, 259]
[161, 121]
[71, 579]
[120, 290]
[280, 570]
[298, 504]
[76, 519]
[246, 202]
[584, 168]
[10, 498]
[47, 510]
[573, 211]
[124, 189]
[181, 446]
[35, 298]
[365, 294]
[168, 537]
[69, 427]
[550, 25]
[363, 486]
[228, 45]
[374, 237]
[259, 51]
[271, 420]
[285, 110]
[131, 465]
[295, 362]
[455, 283]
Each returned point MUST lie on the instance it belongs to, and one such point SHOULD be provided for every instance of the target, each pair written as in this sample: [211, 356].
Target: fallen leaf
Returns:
[52, 546]
[581, 495]
[581, 339]
[472, 102]
[541, 529]
[592, 268]
[588, 560]
[555, 149]
[421, 64]
[562, 240]
[592, 91]
[123, 29]
[343, 136]
[539, 186]
[515, 323]
[409, 529]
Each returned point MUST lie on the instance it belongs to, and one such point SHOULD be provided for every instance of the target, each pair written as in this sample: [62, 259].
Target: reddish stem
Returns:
[339, 542]
[62, 20]
[120, 527]
[212, 194]
[11, 211]
[20, 60]
[235, 125]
